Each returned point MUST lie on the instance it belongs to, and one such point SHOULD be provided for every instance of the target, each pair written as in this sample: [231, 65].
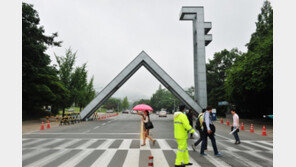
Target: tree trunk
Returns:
[80, 109]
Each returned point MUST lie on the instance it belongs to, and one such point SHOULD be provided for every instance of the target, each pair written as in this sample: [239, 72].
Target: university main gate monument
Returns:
[201, 38]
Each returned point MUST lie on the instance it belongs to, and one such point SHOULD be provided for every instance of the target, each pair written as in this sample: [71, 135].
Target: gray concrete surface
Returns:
[116, 142]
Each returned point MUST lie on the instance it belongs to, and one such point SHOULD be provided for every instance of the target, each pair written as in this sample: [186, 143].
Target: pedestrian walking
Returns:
[181, 130]
[190, 115]
[235, 125]
[209, 129]
[199, 127]
[146, 128]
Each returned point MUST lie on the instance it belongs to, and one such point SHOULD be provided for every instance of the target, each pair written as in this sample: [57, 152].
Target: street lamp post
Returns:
[201, 39]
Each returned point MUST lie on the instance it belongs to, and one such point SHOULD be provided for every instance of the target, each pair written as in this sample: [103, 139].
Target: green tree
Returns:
[40, 85]
[66, 66]
[125, 103]
[216, 75]
[112, 103]
[249, 83]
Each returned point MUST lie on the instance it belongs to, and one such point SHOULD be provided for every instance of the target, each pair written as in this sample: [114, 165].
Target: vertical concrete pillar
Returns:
[200, 40]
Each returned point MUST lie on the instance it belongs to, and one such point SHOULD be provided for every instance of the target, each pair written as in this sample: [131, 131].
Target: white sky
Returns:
[108, 34]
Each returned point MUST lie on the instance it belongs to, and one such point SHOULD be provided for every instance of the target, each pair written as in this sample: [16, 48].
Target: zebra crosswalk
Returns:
[128, 153]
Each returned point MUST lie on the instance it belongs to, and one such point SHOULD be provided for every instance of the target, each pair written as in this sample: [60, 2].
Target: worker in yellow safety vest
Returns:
[181, 130]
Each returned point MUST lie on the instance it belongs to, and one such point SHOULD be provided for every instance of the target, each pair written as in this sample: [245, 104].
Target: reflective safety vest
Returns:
[181, 126]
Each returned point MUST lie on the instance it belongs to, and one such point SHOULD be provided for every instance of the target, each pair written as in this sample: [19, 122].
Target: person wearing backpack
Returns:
[209, 129]
[199, 127]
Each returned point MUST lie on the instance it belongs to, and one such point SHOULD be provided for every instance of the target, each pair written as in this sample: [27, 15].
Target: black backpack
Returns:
[197, 124]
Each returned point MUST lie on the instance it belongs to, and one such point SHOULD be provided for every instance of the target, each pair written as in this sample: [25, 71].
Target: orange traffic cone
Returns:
[264, 131]
[222, 121]
[42, 126]
[252, 128]
[48, 125]
[242, 127]
[227, 123]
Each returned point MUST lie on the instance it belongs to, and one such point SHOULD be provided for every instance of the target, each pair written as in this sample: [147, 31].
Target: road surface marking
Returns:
[106, 144]
[105, 158]
[159, 159]
[34, 141]
[242, 159]
[223, 137]
[84, 134]
[48, 143]
[125, 144]
[47, 159]
[163, 144]
[260, 156]
[103, 124]
[216, 161]
[265, 142]
[132, 158]
[258, 145]
[194, 163]
[86, 144]
[63, 146]
[76, 158]
[96, 127]
[32, 153]
[147, 146]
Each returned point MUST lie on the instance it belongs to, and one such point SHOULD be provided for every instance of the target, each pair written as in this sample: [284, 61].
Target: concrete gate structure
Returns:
[141, 60]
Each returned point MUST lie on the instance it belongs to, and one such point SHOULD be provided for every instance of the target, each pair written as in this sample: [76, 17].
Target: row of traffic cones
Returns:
[47, 126]
[251, 130]
[106, 116]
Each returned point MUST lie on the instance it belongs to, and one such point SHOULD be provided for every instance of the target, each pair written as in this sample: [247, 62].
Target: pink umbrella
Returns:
[142, 107]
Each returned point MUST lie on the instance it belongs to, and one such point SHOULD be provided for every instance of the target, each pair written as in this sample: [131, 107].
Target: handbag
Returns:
[148, 125]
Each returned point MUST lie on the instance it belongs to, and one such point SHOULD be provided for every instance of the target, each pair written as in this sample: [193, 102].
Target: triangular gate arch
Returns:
[141, 60]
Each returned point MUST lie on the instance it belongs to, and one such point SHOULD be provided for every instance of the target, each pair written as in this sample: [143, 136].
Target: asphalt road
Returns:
[115, 142]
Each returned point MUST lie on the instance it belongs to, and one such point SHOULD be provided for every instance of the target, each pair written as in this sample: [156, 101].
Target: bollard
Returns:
[150, 162]
[242, 127]
[264, 131]
[252, 129]
[42, 126]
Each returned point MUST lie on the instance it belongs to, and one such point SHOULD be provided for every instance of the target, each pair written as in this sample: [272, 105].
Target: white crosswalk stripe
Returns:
[106, 144]
[242, 159]
[47, 159]
[33, 142]
[133, 154]
[104, 159]
[132, 158]
[163, 144]
[266, 142]
[77, 158]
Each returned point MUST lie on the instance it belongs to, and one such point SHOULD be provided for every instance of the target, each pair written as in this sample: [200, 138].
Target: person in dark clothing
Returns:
[190, 115]
[200, 128]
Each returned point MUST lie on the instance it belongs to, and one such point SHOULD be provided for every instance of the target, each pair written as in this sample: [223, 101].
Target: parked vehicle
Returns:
[157, 112]
[109, 111]
[162, 114]
[134, 112]
[125, 112]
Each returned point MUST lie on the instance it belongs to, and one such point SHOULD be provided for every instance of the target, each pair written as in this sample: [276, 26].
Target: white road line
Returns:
[86, 131]
[194, 163]
[265, 142]
[216, 161]
[105, 158]
[146, 147]
[32, 142]
[258, 145]
[83, 133]
[163, 144]
[76, 158]
[109, 121]
[63, 146]
[48, 143]
[106, 144]
[125, 144]
[159, 159]
[227, 147]
[260, 156]
[132, 158]
[32, 153]
[103, 124]
[86, 144]
[96, 127]
[243, 160]
[223, 137]
[47, 159]
[242, 145]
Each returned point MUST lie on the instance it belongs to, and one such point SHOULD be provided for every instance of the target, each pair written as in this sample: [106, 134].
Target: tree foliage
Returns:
[40, 85]
[249, 83]
[125, 103]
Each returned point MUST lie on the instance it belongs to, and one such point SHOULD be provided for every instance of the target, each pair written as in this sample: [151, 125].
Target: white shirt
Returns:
[235, 120]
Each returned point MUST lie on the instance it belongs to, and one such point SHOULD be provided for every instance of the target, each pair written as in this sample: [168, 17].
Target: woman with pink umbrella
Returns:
[146, 120]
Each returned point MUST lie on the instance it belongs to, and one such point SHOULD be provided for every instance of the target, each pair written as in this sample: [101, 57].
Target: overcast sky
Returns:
[108, 34]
